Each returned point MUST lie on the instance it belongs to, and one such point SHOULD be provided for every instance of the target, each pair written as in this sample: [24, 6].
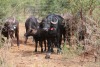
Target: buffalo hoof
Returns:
[44, 51]
[59, 51]
[47, 56]
[35, 50]
[41, 50]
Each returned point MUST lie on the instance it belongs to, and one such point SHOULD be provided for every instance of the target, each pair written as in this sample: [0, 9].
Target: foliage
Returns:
[44, 7]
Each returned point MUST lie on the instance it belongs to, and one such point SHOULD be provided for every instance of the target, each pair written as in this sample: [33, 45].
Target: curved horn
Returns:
[55, 22]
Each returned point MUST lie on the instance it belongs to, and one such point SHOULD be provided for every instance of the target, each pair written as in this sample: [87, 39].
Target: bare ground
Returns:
[24, 56]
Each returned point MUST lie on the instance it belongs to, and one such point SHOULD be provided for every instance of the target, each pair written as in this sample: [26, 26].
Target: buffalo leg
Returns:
[8, 36]
[40, 42]
[36, 43]
[26, 38]
[49, 45]
[49, 51]
[45, 45]
[52, 48]
[17, 36]
[59, 44]
[53, 43]
[12, 38]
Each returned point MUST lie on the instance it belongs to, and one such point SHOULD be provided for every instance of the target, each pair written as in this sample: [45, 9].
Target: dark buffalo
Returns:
[31, 23]
[11, 27]
[81, 32]
[70, 26]
[33, 28]
[54, 27]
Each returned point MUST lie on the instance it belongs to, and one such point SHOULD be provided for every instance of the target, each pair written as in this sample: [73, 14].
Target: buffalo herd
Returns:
[48, 33]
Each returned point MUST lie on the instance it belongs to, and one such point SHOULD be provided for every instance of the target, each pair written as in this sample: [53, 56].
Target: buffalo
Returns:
[53, 26]
[11, 27]
[33, 28]
[31, 23]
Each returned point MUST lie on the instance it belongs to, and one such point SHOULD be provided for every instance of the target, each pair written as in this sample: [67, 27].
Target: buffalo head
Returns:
[50, 22]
